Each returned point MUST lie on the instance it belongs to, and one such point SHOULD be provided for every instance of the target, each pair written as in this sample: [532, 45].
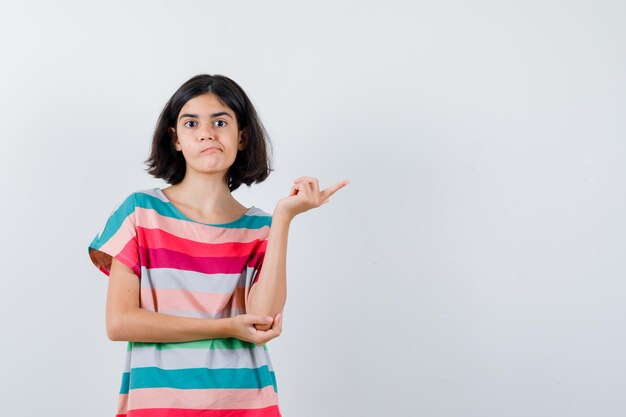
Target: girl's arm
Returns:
[268, 295]
[127, 321]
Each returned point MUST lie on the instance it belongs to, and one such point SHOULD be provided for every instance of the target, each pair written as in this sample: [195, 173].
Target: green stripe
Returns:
[225, 343]
[125, 383]
[114, 222]
[166, 209]
[273, 376]
[198, 378]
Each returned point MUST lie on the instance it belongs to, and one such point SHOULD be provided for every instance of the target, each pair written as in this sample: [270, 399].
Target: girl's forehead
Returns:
[207, 102]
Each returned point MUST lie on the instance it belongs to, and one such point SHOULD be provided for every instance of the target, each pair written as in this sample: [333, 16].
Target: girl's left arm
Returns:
[268, 295]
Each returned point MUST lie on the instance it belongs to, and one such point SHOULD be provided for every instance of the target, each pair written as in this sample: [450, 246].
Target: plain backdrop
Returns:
[473, 267]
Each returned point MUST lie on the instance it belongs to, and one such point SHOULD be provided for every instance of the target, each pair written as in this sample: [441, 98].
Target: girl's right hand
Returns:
[242, 327]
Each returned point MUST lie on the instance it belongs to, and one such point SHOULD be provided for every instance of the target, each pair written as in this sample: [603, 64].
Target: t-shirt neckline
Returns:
[179, 213]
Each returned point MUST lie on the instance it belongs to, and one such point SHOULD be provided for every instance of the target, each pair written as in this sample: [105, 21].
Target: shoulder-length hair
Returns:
[252, 165]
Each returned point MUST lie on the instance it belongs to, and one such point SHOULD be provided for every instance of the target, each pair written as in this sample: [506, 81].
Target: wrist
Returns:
[280, 215]
[224, 327]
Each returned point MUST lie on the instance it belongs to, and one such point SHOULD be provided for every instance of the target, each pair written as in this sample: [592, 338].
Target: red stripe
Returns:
[158, 238]
[271, 411]
[129, 257]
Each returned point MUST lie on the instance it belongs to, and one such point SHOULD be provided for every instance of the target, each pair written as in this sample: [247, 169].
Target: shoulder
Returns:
[130, 196]
[147, 192]
[258, 211]
[129, 201]
[145, 197]
[258, 218]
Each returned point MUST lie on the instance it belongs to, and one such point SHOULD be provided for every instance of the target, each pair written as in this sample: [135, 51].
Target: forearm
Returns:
[140, 325]
[268, 295]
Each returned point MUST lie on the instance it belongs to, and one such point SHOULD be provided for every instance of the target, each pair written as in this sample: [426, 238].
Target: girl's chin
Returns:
[210, 170]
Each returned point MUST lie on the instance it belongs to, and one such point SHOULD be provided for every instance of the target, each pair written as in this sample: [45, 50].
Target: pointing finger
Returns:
[333, 189]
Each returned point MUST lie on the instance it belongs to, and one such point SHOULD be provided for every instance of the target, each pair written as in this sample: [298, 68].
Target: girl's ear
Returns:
[172, 132]
[243, 139]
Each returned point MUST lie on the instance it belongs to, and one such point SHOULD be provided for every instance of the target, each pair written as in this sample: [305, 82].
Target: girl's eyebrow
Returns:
[222, 113]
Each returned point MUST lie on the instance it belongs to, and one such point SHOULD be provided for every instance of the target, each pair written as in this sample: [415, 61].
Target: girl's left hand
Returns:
[305, 195]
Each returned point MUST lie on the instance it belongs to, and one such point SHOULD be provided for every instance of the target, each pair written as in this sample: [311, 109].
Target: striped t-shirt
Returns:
[192, 269]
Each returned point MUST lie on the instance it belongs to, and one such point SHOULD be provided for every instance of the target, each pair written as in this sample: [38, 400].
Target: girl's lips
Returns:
[209, 150]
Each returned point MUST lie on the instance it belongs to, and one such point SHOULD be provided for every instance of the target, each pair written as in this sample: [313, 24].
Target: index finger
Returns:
[327, 192]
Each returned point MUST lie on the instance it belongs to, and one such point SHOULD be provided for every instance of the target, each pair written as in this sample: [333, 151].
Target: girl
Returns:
[197, 281]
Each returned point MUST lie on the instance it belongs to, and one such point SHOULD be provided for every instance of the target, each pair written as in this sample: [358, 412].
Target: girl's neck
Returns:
[205, 195]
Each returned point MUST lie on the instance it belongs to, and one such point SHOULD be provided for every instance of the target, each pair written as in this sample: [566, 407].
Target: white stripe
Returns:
[200, 358]
[171, 278]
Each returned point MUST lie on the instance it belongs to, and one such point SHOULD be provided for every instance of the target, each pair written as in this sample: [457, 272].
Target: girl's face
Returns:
[207, 134]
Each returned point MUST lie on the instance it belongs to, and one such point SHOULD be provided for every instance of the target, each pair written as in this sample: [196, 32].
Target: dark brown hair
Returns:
[252, 165]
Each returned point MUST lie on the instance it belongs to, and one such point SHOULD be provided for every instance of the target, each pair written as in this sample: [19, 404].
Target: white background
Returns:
[473, 267]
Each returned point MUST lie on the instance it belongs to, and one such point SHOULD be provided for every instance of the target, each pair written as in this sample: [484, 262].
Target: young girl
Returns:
[197, 281]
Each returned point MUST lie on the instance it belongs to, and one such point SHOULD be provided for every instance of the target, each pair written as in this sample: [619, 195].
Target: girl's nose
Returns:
[206, 133]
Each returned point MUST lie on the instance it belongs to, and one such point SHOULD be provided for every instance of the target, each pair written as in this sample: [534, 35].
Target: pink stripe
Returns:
[166, 258]
[118, 241]
[174, 299]
[271, 411]
[156, 238]
[122, 404]
[203, 398]
[150, 219]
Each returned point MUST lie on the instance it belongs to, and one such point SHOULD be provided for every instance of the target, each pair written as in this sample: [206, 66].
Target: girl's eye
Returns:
[189, 121]
[221, 121]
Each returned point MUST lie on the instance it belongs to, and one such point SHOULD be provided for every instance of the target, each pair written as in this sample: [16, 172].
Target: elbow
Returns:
[115, 331]
[260, 303]
[264, 310]
[112, 332]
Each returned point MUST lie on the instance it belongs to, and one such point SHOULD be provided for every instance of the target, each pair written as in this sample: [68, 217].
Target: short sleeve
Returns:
[258, 271]
[118, 239]
[259, 265]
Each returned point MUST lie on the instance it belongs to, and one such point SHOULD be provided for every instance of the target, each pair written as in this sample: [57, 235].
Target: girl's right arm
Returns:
[127, 321]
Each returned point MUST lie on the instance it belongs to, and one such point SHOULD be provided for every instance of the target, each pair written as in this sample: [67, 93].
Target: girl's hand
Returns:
[242, 327]
[305, 195]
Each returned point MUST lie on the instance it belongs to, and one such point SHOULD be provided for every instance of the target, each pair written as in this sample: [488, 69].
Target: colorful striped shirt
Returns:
[192, 269]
